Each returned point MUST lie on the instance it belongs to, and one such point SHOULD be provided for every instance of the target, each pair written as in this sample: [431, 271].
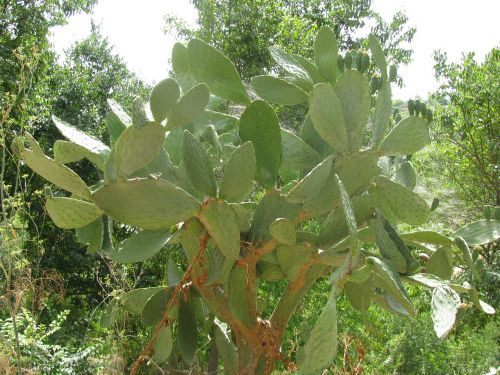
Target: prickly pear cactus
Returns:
[184, 175]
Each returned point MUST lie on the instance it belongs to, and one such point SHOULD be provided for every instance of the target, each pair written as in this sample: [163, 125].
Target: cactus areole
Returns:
[184, 176]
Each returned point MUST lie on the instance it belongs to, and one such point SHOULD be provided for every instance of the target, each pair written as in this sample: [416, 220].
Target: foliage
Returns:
[467, 128]
[243, 30]
[230, 246]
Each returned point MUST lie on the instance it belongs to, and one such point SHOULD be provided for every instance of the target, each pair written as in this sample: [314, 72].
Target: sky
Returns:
[135, 29]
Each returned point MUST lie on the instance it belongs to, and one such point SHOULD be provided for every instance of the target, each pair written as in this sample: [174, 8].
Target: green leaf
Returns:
[326, 53]
[444, 307]
[216, 70]
[406, 176]
[278, 91]
[481, 305]
[241, 302]
[390, 282]
[222, 122]
[189, 107]
[348, 214]
[327, 117]
[222, 225]
[69, 213]
[56, 173]
[163, 98]
[69, 152]
[137, 147]
[292, 257]
[239, 174]
[92, 235]
[283, 231]
[409, 136]
[259, 124]
[360, 295]
[378, 55]
[479, 232]
[427, 237]
[296, 73]
[93, 146]
[312, 183]
[117, 120]
[163, 345]
[197, 165]
[353, 91]
[440, 263]
[244, 216]
[271, 206]
[187, 331]
[383, 111]
[396, 200]
[226, 348]
[309, 134]
[146, 203]
[155, 305]
[269, 271]
[141, 246]
[310, 68]
[135, 300]
[180, 59]
[297, 154]
[321, 346]
[464, 248]
[387, 247]
[356, 170]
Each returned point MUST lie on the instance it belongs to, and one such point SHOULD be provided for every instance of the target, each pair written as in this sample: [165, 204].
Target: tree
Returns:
[243, 30]
[180, 177]
[467, 129]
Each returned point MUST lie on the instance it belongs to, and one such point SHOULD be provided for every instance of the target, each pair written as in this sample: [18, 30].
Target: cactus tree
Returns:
[184, 175]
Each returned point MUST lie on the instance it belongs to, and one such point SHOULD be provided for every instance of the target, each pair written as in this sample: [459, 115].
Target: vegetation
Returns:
[95, 301]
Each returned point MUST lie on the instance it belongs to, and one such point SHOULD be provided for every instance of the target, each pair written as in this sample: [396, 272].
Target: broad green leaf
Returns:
[222, 122]
[310, 68]
[163, 345]
[481, 305]
[69, 152]
[135, 300]
[296, 73]
[321, 346]
[180, 59]
[137, 147]
[396, 200]
[325, 201]
[216, 70]
[222, 225]
[163, 98]
[283, 231]
[406, 175]
[92, 235]
[243, 215]
[69, 213]
[479, 232]
[161, 166]
[92, 145]
[174, 276]
[271, 206]
[190, 235]
[197, 165]
[56, 173]
[353, 91]
[335, 228]
[187, 330]
[312, 183]
[291, 258]
[309, 134]
[297, 154]
[117, 120]
[278, 91]
[378, 55]
[239, 174]
[225, 348]
[426, 279]
[440, 263]
[444, 307]
[141, 246]
[326, 53]
[359, 295]
[383, 111]
[387, 247]
[356, 170]
[348, 211]
[241, 300]
[260, 125]
[219, 267]
[390, 282]
[190, 106]
[325, 111]
[146, 203]
[155, 306]
[466, 253]
[427, 237]
[269, 271]
[409, 136]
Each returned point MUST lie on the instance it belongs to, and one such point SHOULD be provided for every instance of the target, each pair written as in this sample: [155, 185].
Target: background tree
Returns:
[467, 129]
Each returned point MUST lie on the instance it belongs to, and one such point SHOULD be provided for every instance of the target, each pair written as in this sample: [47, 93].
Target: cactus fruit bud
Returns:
[365, 62]
[359, 60]
[375, 83]
[423, 110]
[417, 107]
[423, 257]
[411, 107]
[348, 60]
[393, 73]
[398, 118]
[429, 115]
[340, 63]
[435, 204]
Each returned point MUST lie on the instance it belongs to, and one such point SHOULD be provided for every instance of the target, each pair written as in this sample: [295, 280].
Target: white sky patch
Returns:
[135, 29]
